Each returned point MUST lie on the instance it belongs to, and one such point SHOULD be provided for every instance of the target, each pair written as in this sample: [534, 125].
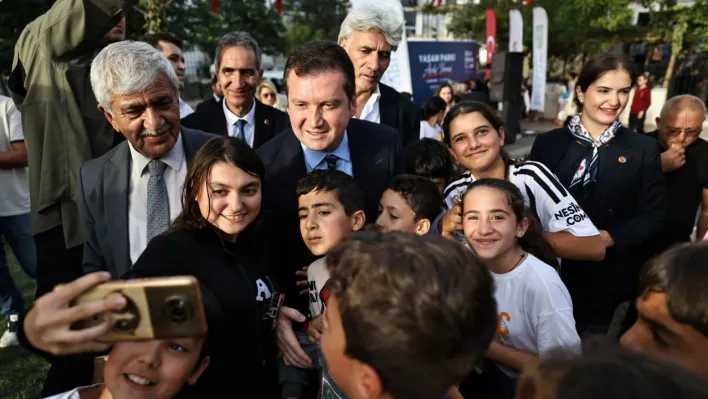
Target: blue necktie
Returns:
[239, 129]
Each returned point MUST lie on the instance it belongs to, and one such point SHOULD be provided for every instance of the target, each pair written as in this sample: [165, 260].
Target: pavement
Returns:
[529, 130]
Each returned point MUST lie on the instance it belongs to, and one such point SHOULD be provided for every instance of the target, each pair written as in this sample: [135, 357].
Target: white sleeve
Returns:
[556, 330]
[555, 206]
[14, 122]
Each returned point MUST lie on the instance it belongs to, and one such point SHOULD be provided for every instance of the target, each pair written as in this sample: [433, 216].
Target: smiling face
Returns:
[396, 215]
[490, 224]
[239, 76]
[605, 99]
[175, 57]
[657, 333]
[153, 369]
[475, 143]
[149, 120]
[446, 94]
[323, 221]
[319, 109]
[371, 55]
[230, 199]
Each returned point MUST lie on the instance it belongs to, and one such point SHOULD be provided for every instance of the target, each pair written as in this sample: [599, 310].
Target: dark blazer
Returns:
[207, 103]
[269, 121]
[377, 156]
[103, 204]
[399, 113]
[628, 202]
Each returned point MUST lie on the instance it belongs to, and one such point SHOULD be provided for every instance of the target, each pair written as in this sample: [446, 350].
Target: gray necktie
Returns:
[158, 204]
[239, 129]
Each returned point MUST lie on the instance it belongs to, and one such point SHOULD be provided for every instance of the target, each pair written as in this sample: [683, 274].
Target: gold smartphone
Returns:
[157, 308]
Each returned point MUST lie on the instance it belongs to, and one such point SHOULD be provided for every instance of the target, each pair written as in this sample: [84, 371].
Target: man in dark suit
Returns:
[319, 82]
[134, 191]
[239, 114]
[215, 98]
[370, 52]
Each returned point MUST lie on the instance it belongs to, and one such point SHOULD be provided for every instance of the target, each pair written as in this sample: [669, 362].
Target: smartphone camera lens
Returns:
[177, 310]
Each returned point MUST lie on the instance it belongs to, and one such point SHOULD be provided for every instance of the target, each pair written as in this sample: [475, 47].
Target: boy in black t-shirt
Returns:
[408, 316]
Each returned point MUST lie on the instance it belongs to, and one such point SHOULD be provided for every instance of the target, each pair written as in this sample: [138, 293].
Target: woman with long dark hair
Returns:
[535, 313]
[216, 238]
[616, 176]
[475, 135]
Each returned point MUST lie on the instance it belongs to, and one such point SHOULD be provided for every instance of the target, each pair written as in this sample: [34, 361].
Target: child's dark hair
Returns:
[532, 241]
[430, 159]
[609, 373]
[681, 275]
[421, 194]
[468, 107]
[433, 106]
[598, 66]
[341, 184]
[417, 309]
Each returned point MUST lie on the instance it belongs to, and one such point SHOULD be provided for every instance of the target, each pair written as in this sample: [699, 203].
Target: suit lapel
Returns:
[263, 125]
[366, 167]
[218, 119]
[568, 161]
[616, 161]
[190, 148]
[388, 108]
[116, 182]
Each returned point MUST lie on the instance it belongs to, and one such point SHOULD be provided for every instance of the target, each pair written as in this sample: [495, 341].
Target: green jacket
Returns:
[63, 128]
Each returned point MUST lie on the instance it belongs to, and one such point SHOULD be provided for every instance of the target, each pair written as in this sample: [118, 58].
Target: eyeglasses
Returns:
[269, 94]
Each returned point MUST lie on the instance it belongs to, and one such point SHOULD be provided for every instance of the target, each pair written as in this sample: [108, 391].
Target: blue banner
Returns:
[435, 63]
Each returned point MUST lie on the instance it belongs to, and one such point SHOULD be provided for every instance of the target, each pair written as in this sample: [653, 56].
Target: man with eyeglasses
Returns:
[684, 159]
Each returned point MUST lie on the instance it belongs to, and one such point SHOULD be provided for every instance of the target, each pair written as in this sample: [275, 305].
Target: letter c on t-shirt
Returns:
[502, 327]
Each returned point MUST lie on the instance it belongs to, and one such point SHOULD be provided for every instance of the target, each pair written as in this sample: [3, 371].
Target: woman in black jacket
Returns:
[615, 175]
[216, 239]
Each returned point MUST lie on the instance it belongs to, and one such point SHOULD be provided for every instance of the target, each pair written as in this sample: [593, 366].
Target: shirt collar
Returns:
[314, 158]
[173, 159]
[231, 118]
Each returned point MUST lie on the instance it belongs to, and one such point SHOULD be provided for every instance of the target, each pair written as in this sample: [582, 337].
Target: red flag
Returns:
[279, 6]
[214, 6]
[491, 36]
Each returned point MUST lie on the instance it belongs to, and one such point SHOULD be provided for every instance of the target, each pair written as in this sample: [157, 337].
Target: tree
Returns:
[155, 14]
[575, 26]
[677, 24]
[14, 16]
[314, 20]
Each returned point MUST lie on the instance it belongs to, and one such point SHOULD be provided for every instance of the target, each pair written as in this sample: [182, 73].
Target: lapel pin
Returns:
[622, 159]
[267, 122]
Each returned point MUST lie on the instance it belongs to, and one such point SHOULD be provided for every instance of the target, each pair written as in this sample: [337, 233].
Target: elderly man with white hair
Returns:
[132, 193]
[369, 35]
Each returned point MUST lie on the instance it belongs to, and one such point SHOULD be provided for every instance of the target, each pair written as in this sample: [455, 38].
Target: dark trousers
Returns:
[636, 123]
[57, 265]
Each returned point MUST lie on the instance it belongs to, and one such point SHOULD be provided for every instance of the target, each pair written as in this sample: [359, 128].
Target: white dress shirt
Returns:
[371, 111]
[174, 176]
[184, 109]
[248, 129]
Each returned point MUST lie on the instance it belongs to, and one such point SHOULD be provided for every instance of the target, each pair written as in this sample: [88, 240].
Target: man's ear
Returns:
[111, 119]
[343, 42]
[422, 227]
[658, 121]
[260, 74]
[358, 220]
[198, 372]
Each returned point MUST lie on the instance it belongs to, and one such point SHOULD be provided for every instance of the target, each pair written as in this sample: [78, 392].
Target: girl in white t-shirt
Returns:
[475, 135]
[535, 312]
[432, 114]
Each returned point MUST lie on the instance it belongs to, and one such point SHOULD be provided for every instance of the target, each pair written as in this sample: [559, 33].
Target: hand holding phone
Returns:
[47, 325]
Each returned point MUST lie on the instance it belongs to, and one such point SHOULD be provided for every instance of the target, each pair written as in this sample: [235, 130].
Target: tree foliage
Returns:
[314, 20]
[575, 26]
